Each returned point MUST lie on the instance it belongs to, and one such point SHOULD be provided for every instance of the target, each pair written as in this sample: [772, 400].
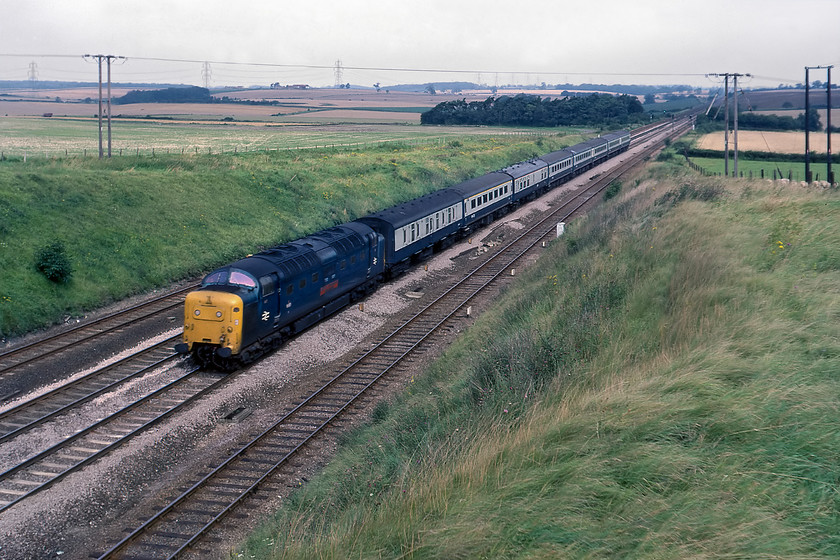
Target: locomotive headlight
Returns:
[218, 314]
[197, 312]
[230, 329]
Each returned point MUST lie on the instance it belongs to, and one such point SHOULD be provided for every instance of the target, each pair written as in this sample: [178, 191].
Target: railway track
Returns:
[24, 417]
[70, 455]
[262, 463]
[24, 358]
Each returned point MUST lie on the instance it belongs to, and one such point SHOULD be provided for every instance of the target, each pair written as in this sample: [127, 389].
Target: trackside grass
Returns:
[131, 224]
[661, 384]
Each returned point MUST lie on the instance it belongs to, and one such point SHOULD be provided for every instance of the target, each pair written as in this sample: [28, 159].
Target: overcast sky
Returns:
[497, 42]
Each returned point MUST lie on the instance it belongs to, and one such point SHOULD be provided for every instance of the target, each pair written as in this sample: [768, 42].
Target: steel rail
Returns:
[78, 334]
[118, 415]
[55, 404]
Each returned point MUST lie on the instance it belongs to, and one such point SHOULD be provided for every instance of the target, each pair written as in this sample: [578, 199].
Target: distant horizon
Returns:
[535, 87]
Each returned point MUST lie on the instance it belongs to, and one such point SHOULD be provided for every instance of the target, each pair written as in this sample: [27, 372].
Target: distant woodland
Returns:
[533, 110]
[168, 95]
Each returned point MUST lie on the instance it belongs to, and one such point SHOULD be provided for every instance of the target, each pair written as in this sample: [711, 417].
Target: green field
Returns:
[60, 137]
[130, 224]
[661, 384]
[783, 169]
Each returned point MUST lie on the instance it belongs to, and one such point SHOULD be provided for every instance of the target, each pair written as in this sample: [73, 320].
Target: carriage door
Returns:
[269, 308]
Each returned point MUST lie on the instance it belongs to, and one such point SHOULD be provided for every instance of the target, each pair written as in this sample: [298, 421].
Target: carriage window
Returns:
[314, 277]
[289, 289]
[302, 283]
[343, 265]
[353, 257]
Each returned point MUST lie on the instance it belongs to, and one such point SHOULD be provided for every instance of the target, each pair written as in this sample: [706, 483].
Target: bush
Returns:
[612, 190]
[52, 261]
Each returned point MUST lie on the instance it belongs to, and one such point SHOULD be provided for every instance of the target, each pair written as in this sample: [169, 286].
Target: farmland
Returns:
[762, 141]
[60, 137]
[301, 118]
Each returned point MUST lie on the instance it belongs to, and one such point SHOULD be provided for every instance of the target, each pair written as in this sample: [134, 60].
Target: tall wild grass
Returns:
[661, 384]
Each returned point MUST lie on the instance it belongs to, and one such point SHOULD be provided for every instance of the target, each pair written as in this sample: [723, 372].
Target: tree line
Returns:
[189, 94]
[533, 110]
[753, 121]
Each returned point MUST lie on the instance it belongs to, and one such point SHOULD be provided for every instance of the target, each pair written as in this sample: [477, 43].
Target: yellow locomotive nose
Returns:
[213, 319]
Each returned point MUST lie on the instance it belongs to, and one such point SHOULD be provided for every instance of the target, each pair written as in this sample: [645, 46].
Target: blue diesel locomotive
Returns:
[254, 304]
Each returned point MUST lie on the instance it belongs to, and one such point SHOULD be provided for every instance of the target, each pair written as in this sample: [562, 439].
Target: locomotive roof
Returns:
[524, 168]
[309, 252]
[413, 210]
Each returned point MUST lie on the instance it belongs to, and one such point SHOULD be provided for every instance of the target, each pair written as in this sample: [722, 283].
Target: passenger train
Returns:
[253, 305]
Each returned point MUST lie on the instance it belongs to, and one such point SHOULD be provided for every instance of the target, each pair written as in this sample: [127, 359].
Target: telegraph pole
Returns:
[726, 126]
[735, 77]
[735, 90]
[807, 129]
[830, 175]
[108, 58]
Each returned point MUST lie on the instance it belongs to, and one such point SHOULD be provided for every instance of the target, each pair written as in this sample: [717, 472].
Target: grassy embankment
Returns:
[661, 384]
[132, 224]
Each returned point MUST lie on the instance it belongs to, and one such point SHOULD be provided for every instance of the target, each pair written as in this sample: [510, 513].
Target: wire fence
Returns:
[776, 173]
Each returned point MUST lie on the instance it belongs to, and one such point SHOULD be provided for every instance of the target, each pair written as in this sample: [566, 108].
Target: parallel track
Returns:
[89, 333]
[70, 455]
[182, 523]
[20, 419]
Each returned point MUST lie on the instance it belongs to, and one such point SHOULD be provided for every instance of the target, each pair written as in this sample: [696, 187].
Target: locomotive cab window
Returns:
[268, 285]
[216, 278]
[241, 279]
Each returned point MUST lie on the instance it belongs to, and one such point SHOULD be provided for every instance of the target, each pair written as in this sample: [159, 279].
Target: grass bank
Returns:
[131, 224]
[661, 384]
